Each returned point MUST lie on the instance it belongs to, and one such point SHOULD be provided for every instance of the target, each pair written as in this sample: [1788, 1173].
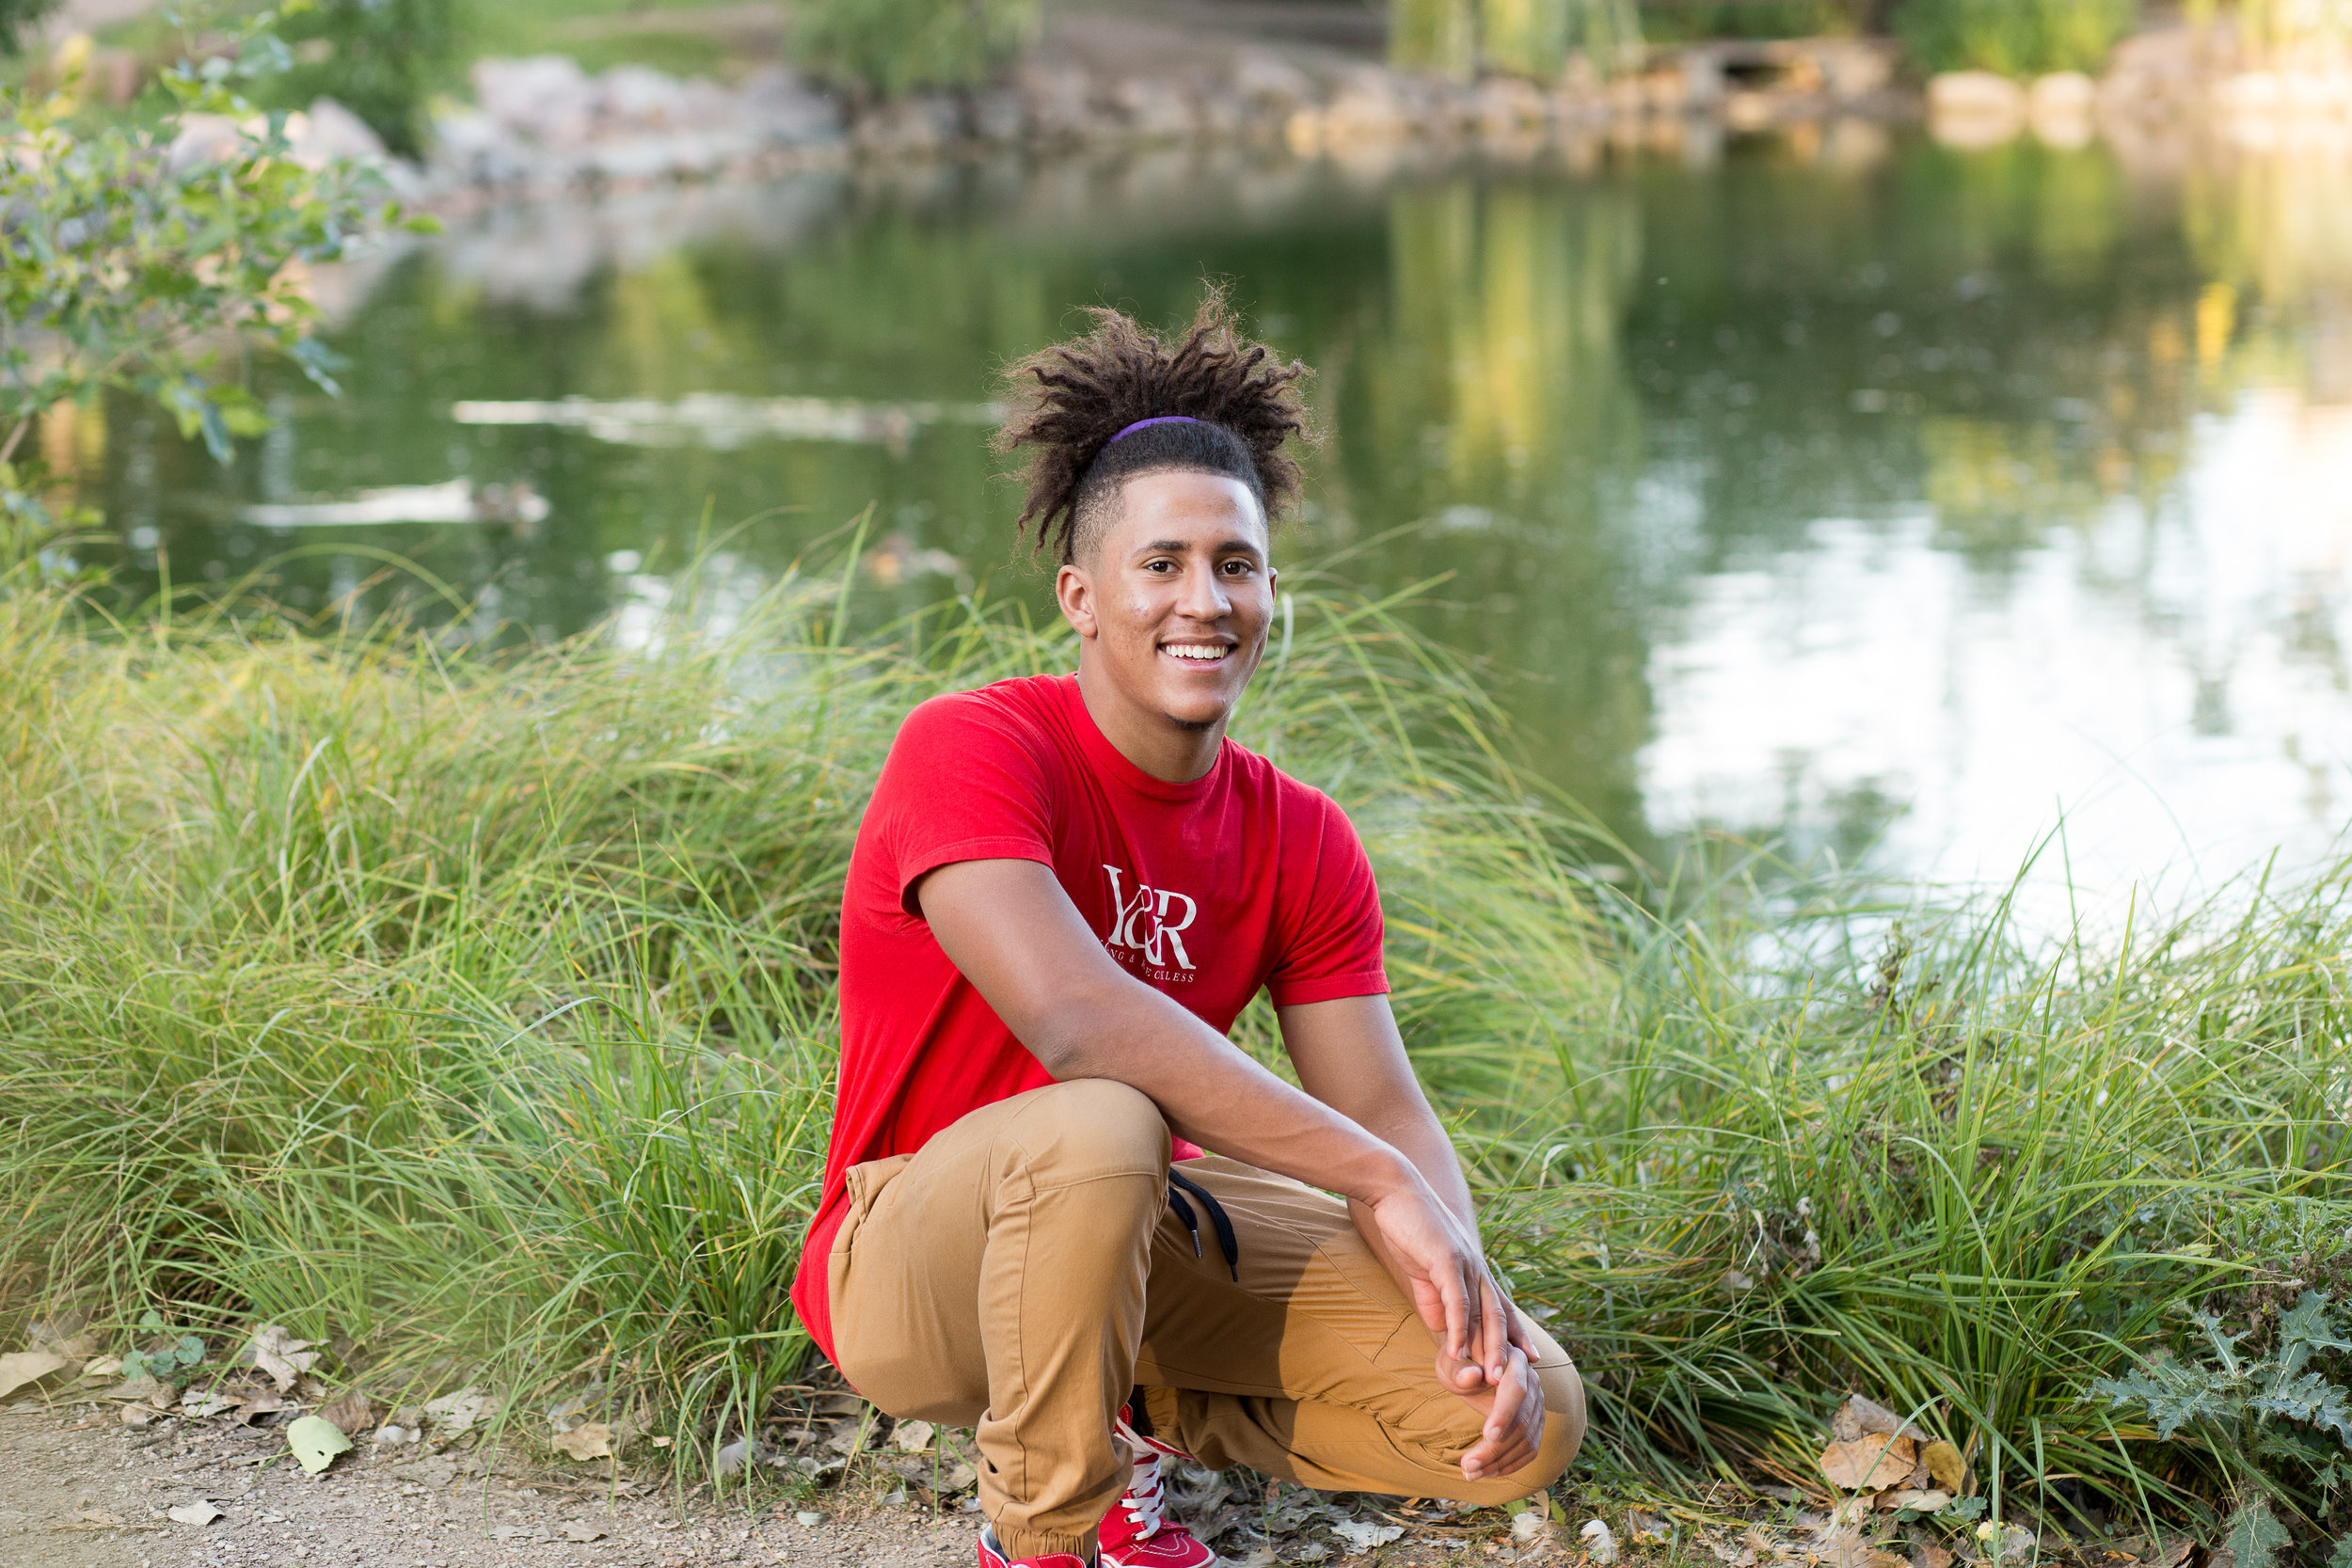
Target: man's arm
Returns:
[1010, 930]
[1350, 1056]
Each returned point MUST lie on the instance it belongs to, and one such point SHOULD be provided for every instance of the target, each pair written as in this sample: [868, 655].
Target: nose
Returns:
[1204, 598]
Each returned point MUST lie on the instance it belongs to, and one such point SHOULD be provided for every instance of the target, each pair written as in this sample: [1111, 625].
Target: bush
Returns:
[382, 59]
[2014, 38]
[18, 18]
[1522, 37]
[895, 47]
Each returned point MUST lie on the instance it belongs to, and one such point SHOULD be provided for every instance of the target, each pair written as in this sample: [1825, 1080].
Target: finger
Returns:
[1495, 1350]
[1522, 1330]
[1456, 1311]
[1503, 1445]
[1473, 1315]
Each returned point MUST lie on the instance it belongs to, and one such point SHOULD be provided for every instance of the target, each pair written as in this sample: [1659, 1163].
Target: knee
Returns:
[1085, 1129]
[1563, 1424]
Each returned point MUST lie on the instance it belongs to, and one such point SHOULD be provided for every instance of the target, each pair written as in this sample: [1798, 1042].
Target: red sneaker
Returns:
[1135, 1534]
[993, 1555]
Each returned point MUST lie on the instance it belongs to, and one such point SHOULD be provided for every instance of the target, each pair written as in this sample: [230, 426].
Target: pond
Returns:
[1836, 487]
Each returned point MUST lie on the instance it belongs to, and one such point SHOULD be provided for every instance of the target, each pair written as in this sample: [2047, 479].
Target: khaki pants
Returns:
[1023, 1270]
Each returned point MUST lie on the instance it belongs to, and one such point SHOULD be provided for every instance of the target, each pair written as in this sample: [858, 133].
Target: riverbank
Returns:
[469, 1015]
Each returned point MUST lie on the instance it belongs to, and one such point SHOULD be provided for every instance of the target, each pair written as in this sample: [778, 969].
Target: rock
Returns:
[2061, 107]
[1974, 108]
[1060, 102]
[921, 125]
[1506, 105]
[326, 131]
[546, 98]
[788, 110]
[1270, 83]
[642, 97]
[1152, 109]
[999, 119]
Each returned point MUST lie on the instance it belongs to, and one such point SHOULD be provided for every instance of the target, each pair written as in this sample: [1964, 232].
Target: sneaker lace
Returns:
[1144, 1498]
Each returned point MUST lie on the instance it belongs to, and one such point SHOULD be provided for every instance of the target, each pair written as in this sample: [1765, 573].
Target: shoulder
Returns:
[1306, 812]
[1020, 711]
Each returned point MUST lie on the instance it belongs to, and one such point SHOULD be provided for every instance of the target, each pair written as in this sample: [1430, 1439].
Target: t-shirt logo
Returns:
[1151, 923]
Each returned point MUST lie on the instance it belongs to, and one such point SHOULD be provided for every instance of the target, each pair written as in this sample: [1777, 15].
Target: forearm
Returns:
[1220, 1098]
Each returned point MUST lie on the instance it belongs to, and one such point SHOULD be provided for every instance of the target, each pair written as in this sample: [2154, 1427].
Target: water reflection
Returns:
[1839, 486]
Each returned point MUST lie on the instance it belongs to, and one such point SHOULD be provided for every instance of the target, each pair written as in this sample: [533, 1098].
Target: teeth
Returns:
[1202, 652]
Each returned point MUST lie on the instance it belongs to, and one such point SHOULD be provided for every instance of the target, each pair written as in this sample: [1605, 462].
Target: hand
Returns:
[1439, 1263]
[1513, 1428]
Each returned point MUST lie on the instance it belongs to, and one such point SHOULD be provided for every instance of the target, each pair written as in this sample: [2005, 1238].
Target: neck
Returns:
[1169, 752]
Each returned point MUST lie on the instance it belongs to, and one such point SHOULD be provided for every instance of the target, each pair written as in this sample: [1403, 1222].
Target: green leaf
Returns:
[150, 1319]
[2172, 1395]
[2308, 1325]
[189, 1351]
[134, 1365]
[2254, 1537]
[2341, 1556]
[315, 1443]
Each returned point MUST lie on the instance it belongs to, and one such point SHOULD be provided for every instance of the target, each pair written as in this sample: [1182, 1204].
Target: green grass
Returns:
[472, 1012]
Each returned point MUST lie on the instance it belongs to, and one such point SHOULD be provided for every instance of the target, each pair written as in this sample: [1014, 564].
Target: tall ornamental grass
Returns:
[473, 1013]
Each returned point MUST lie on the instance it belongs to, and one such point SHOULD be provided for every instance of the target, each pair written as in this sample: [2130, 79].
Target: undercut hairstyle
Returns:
[1219, 404]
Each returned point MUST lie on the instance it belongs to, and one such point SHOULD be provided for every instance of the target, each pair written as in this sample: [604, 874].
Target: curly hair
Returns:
[1239, 406]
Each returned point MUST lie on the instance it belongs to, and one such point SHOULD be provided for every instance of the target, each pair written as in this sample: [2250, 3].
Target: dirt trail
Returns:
[78, 1490]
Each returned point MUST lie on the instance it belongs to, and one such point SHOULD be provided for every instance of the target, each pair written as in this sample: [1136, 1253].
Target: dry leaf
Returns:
[960, 1477]
[1929, 1555]
[137, 1415]
[97, 1516]
[212, 1402]
[29, 1367]
[1946, 1466]
[1645, 1530]
[452, 1414]
[199, 1512]
[583, 1533]
[353, 1413]
[913, 1436]
[281, 1356]
[2174, 1550]
[105, 1366]
[586, 1441]
[1870, 1462]
[1870, 1416]
[1904, 1497]
[261, 1404]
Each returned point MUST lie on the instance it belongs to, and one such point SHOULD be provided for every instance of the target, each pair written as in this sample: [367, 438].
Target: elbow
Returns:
[1067, 1037]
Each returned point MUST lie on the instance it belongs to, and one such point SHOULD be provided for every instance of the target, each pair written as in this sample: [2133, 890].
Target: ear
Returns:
[1074, 591]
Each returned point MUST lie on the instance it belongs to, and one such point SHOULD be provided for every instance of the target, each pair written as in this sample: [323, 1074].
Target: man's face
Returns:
[1176, 596]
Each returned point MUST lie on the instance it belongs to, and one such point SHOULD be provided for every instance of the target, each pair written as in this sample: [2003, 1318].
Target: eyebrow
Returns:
[1178, 546]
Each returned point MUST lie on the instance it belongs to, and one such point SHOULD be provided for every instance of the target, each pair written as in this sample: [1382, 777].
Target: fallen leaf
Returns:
[959, 1479]
[2175, 1550]
[842, 1404]
[261, 1404]
[195, 1407]
[97, 1516]
[583, 1533]
[352, 1413]
[589, 1440]
[105, 1366]
[454, 1414]
[1870, 1416]
[197, 1513]
[1944, 1463]
[1870, 1462]
[1599, 1544]
[315, 1443]
[1929, 1555]
[913, 1436]
[29, 1367]
[1926, 1502]
[137, 1415]
[281, 1356]
[1362, 1535]
[144, 1390]
[1645, 1530]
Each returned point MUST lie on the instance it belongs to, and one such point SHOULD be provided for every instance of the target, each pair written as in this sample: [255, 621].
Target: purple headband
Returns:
[1156, 418]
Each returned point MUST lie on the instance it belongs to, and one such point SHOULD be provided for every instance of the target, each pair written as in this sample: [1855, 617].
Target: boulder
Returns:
[546, 98]
[1975, 108]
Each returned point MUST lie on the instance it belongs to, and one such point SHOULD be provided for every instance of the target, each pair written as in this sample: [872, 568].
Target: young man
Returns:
[1064, 891]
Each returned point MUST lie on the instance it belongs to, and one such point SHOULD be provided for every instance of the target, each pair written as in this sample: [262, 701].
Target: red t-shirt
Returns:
[1209, 890]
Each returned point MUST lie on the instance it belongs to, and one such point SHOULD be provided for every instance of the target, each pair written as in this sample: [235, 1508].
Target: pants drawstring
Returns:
[1227, 1243]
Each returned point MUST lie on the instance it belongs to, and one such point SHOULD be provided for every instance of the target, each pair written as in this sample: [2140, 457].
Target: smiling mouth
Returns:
[1202, 654]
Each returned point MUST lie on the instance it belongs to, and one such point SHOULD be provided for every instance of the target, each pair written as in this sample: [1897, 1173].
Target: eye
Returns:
[1162, 565]
[1239, 567]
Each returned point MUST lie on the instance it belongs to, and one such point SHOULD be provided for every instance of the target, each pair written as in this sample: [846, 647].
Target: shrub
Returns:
[18, 18]
[896, 46]
[2014, 38]
[381, 59]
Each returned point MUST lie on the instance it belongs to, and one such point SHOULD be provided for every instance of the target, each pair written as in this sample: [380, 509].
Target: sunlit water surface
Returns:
[1846, 491]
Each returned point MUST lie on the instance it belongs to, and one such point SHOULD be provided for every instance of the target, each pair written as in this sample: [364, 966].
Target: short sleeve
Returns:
[961, 783]
[1332, 927]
